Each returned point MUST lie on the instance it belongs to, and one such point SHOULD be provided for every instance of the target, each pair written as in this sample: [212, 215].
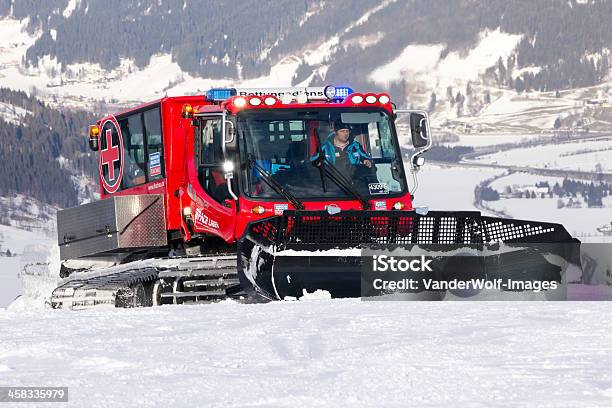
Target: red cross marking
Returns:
[110, 155]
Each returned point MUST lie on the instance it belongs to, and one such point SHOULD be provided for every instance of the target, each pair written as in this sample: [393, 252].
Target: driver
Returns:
[343, 151]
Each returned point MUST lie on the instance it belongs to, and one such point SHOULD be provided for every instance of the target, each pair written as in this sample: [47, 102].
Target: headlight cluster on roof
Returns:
[299, 94]
[267, 97]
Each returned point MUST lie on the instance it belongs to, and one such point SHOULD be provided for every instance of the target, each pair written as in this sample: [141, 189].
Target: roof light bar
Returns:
[220, 94]
[317, 93]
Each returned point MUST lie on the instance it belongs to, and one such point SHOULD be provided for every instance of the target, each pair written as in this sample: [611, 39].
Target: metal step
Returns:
[216, 282]
[212, 266]
[190, 273]
[204, 293]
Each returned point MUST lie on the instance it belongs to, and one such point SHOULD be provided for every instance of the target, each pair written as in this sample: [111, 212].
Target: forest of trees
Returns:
[29, 151]
[593, 193]
[448, 154]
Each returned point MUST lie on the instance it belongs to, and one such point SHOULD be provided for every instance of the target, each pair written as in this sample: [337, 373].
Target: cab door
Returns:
[213, 207]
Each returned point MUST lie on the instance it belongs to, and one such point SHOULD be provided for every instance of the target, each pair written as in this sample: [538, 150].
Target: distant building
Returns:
[532, 189]
[606, 229]
[596, 101]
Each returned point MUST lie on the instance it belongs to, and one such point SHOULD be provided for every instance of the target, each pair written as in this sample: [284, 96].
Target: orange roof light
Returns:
[94, 131]
[187, 110]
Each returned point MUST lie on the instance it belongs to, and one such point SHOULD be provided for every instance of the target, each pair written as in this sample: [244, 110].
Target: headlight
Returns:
[228, 166]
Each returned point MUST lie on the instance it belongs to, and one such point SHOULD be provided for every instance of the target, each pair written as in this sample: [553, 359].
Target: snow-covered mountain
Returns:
[487, 62]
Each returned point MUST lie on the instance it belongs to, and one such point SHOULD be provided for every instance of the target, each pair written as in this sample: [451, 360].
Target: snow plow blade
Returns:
[284, 256]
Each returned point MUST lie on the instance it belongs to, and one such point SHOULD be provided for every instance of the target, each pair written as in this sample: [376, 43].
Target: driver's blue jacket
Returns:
[354, 150]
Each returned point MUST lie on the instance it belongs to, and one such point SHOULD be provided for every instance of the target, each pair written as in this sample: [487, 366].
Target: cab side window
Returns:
[155, 148]
[143, 150]
[134, 151]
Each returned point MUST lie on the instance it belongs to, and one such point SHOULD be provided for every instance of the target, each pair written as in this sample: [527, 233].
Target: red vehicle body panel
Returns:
[180, 186]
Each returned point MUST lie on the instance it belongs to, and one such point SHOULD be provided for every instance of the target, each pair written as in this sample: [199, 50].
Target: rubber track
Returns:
[100, 287]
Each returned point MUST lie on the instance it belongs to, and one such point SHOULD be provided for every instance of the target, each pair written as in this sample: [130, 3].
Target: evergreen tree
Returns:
[501, 72]
[519, 85]
[432, 103]
[487, 97]
[449, 95]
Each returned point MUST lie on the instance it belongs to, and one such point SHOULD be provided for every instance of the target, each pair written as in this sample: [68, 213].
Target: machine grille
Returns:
[354, 228]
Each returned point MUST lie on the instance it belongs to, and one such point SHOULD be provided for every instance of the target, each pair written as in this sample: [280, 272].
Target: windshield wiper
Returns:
[319, 159]
[275, 185]
[340, 180]
[328, 169]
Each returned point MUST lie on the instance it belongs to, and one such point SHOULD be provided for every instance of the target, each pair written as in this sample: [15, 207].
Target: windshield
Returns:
[286, 146]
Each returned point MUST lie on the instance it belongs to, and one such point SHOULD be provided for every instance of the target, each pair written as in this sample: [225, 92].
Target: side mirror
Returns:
[421, 139]
[229, 136]
[419, 127]
[230, 132]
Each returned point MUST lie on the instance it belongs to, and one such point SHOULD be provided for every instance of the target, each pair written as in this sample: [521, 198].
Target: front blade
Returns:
[309, 250]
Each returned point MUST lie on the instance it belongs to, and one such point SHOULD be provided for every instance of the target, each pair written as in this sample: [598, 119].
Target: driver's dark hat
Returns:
[339, 125]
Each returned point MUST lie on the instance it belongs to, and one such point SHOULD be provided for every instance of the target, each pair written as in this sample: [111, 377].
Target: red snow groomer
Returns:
[264, 194]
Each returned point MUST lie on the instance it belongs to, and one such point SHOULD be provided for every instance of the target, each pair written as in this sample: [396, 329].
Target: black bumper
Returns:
[302, 251]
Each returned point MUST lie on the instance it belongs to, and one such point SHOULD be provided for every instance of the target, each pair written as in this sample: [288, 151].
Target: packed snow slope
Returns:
[317, 353]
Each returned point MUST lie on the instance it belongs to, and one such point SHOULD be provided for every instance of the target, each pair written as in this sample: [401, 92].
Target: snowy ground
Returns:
[317, 353]
[12, 114]
[11, 285]
[28, 248]
[449, 188]
[580, 222]
[452, 188]
[483, 140]
[583, 155]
